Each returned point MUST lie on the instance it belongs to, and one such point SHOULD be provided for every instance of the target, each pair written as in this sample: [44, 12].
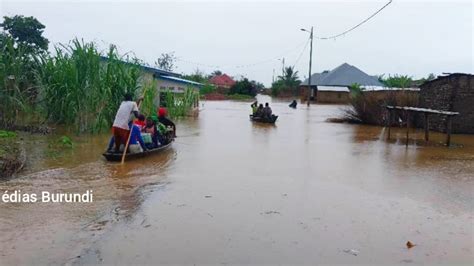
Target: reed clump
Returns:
[368, 107]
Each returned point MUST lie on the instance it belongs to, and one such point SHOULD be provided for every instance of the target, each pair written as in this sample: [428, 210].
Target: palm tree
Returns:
[290, 79]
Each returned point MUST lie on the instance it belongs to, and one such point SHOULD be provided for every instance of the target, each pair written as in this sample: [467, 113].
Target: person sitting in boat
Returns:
[156, 137]
[136, 144]
[293, 104]
[267, 111]
[162, 113]
[140, 122]
[120, 126]
[259, 112]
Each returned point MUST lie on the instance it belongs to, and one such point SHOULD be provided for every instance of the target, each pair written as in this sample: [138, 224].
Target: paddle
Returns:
[131, 128]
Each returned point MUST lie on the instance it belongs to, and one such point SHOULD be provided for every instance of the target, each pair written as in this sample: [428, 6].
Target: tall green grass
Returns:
[82, 89]
[17, 86]
[149, 93]
[178, 104]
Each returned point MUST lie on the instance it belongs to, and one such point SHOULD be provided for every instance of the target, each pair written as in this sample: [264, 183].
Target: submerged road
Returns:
[235, 192]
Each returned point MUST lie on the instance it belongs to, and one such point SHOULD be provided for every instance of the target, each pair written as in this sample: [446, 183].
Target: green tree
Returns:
[244, 86]
[216, 73]
[288, 81]
[26, 31]
[166, 61]
[397, 81]
[197, 76]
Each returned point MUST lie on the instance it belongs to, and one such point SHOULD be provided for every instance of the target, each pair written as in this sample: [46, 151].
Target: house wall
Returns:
[339, 97]
[452, 93]
[400, 96]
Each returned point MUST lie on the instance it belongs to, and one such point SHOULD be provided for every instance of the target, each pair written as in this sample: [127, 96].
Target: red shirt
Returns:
[140, 124]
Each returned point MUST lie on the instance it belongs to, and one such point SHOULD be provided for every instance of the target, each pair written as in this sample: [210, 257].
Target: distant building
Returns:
[222, 82]
[165, 80]
[454, 92]
[333, 86]
[168, 80]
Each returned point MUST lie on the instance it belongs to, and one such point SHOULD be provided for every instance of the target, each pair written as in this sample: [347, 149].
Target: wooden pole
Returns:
[408, 126]
[427, 127]
[448, 131]
[130, 134]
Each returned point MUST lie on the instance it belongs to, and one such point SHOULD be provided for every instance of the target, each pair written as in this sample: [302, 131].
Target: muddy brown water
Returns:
[234, 192]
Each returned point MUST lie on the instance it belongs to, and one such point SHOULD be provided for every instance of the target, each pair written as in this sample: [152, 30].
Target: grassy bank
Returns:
[12, 157]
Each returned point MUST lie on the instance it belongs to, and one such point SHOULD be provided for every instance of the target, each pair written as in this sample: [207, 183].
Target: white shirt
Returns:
[123, 114]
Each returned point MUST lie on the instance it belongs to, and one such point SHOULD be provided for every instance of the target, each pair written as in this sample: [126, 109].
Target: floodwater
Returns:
[230, 191]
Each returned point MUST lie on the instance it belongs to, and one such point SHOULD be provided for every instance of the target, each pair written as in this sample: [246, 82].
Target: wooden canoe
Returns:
[117, 157]
[264, 120]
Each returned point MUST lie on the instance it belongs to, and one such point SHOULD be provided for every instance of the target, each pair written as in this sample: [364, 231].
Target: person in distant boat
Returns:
[259, 112]
[162, 113]
[267, 111]
[293, 104]
[254, 107]
[121, 127]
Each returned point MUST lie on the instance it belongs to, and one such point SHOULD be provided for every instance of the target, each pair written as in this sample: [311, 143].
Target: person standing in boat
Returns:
[254, 107]
[121, 128]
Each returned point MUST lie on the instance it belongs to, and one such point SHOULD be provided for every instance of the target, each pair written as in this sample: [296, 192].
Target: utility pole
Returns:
[283, 68]
[310, 91]
[273, 77]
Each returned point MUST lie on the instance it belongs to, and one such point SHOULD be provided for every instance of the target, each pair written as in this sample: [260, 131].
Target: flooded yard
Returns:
[231, 191]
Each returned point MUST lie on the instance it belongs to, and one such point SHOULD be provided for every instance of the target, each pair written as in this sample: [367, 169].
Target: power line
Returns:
[356, 26]
[301, 54]
[291, 50]
[246, 65]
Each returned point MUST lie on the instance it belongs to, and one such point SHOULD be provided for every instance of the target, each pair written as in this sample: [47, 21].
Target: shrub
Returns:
[368, 107]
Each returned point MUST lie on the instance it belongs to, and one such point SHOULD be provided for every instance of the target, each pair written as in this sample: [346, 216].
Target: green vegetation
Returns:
[12, 157]
[166, 61]
[76, 86]
[7, 134]
[245, 87]
[199, 76]
[180, 104]
[287, 83]
[369, 107]
[59, 146]
[397, 81]
[240, 97]
[148, 106]
[18, 90]
[26, 32]
[83, 90]
[207, 88]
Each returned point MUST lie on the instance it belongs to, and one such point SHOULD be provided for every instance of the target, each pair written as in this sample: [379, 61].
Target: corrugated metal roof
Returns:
[343, 75]
[180, 80]
[156, 71]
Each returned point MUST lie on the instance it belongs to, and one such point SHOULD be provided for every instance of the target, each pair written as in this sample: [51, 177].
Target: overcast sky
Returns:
[408, 37]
